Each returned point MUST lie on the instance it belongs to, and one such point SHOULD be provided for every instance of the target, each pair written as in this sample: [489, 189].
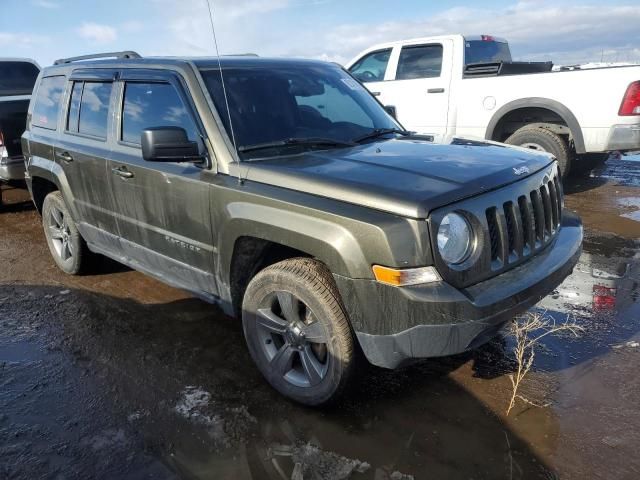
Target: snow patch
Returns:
[224, 425]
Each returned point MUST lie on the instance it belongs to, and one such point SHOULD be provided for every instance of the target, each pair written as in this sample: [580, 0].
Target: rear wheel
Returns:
[297, 331]
[67, 247]
[543, 140]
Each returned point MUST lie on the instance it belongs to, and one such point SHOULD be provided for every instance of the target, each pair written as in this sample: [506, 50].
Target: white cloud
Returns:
[45, 4]
[97, 33]
[17, 41]
[533, 29]
[536, 30]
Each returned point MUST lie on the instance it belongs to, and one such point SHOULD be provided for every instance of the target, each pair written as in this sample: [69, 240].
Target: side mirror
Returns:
[391, 110]
[168, 144]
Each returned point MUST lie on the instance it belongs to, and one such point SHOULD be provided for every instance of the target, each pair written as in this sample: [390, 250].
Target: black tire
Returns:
[584, 163]
[67, 247]
[541, 139]
[300, 293]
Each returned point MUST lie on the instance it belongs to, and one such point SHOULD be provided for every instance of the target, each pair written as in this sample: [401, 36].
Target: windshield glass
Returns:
[309, 101]
[17, 78]
[483, 51]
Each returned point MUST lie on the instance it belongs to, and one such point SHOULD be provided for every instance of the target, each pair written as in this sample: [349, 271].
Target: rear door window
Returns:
[420, 61]
[94, 109]
[17, 78]
[47, 106]
[148, 105]
[371, 67]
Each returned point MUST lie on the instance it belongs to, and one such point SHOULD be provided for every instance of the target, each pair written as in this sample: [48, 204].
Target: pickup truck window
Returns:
[94, 109]
[17, 78]
[149, 105]
[270, 104]
[47, 105]
[371, 67]
[420, 61]
[483, 51]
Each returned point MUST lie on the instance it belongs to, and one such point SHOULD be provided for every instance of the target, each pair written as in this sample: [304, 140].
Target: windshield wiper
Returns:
[311, 141]
[378, 132]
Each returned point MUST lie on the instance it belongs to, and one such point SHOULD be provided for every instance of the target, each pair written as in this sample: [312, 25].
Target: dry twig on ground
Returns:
[528, 330]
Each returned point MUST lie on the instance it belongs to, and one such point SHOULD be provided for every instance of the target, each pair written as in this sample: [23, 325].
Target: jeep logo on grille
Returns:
[520, 170]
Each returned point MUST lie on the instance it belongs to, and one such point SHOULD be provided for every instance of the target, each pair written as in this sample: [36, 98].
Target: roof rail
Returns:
[124, 54]
[240, 55]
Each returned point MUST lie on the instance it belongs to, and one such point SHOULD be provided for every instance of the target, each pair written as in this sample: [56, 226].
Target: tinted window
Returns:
[47, 106]
[270, 104]
[371, 67]
[483, 51]
[17, 78]
[335, 106]
[94, 109]
[149, 105]
[74, 107]
[424, 61]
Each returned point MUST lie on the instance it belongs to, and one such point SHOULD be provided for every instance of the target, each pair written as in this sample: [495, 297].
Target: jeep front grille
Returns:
[520, 227]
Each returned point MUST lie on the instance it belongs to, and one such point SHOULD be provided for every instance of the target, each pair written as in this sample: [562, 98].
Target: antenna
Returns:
[224, 90]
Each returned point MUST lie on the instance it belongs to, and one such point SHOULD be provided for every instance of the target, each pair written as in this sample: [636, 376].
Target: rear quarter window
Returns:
[17, 78]
[47, 104]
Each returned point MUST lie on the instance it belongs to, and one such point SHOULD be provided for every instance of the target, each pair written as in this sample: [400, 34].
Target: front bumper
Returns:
[12, 169]
[624, 137]
[394, 325]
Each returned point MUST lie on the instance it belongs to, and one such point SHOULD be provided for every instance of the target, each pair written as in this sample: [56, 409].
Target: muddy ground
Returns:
[114, 375]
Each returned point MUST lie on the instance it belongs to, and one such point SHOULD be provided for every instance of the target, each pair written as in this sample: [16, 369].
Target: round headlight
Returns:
[454, 238]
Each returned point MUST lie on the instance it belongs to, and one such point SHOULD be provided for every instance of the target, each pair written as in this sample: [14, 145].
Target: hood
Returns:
[408, 177]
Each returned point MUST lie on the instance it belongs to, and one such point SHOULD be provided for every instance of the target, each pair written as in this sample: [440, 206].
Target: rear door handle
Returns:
[122, 172]
[65, 157]
[435, 90]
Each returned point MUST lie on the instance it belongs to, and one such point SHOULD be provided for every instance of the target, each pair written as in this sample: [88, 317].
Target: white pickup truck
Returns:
[468, 86]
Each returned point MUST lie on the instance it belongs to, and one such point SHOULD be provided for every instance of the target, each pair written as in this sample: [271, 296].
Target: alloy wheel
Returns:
[293, 340]
[60, 234]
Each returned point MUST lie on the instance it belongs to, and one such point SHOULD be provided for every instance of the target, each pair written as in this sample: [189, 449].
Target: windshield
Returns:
[271, 104]
[17, 78]
[483, 51]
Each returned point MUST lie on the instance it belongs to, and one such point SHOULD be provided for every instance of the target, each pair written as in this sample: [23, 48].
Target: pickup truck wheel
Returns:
[544, 140]
[297, 331]
[65, 243]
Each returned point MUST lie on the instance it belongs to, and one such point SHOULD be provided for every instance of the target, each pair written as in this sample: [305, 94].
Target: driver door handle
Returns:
[64, 156]
[122, 172]
[435, 90]
[375, 94]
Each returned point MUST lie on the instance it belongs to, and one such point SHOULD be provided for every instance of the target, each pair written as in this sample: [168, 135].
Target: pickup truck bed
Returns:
[17, 78]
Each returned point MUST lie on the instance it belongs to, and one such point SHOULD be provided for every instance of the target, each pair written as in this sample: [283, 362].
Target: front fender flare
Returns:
[329, 242]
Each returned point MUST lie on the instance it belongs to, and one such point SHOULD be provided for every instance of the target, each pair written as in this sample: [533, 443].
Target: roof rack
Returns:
[124, 54]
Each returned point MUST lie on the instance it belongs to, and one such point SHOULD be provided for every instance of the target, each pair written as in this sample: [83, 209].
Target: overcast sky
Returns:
[563, 31]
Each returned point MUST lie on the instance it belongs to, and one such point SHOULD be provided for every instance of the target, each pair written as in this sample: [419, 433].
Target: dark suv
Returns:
[283, 191]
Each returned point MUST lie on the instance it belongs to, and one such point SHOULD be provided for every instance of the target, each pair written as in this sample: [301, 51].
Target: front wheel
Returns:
[543, 140]
[297, 331]
[67, 247]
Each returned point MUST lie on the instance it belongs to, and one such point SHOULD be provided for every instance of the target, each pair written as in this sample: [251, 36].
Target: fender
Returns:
[51, 171]
[330, 243]
[538, 102]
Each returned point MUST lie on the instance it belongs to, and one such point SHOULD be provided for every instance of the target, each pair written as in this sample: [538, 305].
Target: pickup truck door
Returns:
[418, 86]
[372, 69]
[162, 208]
